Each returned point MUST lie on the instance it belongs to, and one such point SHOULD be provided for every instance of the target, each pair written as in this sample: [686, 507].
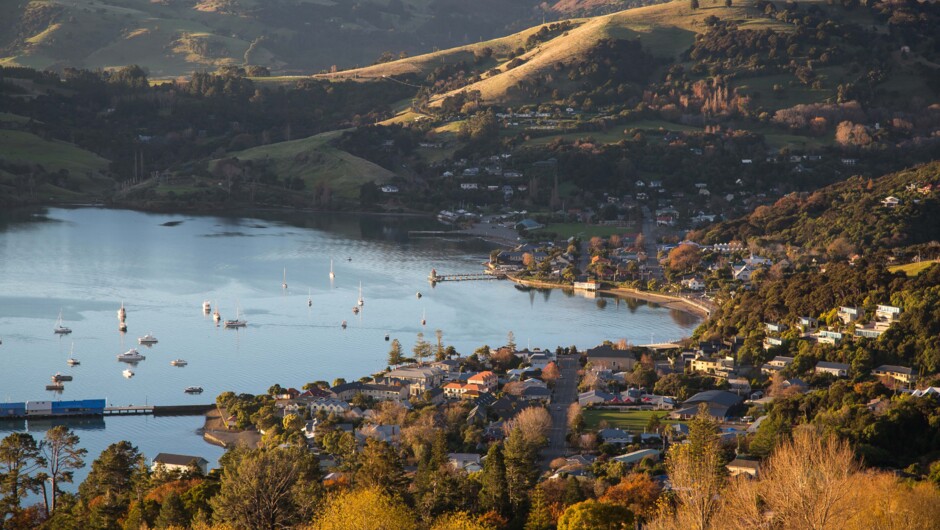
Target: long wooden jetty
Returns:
[156, 410]
[434, 277]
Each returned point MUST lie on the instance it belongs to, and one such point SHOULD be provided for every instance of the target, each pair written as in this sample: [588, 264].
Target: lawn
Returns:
[27, 148]
[566, 230]
[913, 269]
[629, 420]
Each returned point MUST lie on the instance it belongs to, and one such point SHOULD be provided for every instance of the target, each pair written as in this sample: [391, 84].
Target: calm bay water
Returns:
[86, 261]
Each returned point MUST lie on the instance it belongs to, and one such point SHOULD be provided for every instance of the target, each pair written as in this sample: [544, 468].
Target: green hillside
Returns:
[172, 38]
[34, 168]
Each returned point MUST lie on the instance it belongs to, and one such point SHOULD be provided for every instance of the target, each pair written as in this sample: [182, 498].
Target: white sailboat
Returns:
[206, 307]
[121, 313]
[331, 269]
[344, 324]
[309, 299]
[361, 301]
[237, 322]
[424, 321]
[128, 373]
[59, 328]
[217, 316]
[284, 282]
[72, 360]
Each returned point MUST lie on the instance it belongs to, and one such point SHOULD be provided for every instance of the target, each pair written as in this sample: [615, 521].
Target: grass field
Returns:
[316, 161]
[53, 155]
[630, 420]
[913, 269]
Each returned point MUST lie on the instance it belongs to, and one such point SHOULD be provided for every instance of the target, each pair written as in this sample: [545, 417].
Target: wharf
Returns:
[156, 410]
[434, 278]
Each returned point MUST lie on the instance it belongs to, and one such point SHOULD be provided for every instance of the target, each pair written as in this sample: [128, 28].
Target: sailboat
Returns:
[216, 316]
[418, 295]
[72, 360]
[237, 323]
[331, 269]
[206, 307]
[284, 283]
[121, 313]
[309, 299]
[344, 324]
[59, 328]
[361, 301]
[424, 321]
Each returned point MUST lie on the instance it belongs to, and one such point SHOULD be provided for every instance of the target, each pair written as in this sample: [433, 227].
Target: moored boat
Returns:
[193, 390]
[147, 339]
[59, 377]
[59, 328]
[128, 373]
[131, 356]
[178, 362]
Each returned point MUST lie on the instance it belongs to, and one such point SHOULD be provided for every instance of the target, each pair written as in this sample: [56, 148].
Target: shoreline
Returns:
[663, 300]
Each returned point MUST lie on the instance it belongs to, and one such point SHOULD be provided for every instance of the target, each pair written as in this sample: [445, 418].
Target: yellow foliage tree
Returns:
[365, 509]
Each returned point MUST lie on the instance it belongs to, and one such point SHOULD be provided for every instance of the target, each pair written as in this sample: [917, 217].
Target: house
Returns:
[487, 381]
[539, 394]
[829, 337]
[587, 286]
[709, 365]
[849, 314]
[808, 324]
[419, 378]
[739, 385]
[593, 397]
[615, 436]
[870, 331]
[461, 391]
[384, 433]
[174, 462]
[527, 224]
[836, 369]
[742, 273]
[329, 406]
[887, 314]
[637, 456]
[772, 342]
[539, 361]
[902, 374]
[739, 466]
[719, 403]
[469, 462]
[469, 186]
[607, 356]
[781, 361]
[388, 188]
[694, 284]
[929, 391]
[774, 327]
[891, 201]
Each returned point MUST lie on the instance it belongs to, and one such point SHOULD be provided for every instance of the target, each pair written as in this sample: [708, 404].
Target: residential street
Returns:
[566, 393]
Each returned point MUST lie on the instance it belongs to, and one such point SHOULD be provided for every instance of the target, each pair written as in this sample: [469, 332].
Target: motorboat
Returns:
[59, 328]
[217, 316]
[386, 336]
[178, 362]
[128, 373]
[147, 339]
[193, 390]
[355, 310]
[418, 294]
[58, 387]
[122, 327]
[206, 307]
[309, 299]
[131, 356]
[59, 377]
[344, 324]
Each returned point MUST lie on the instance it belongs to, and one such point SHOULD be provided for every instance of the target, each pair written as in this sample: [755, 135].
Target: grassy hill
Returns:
[316, 162]
[173, 38]
[665, 31]
[33, 167]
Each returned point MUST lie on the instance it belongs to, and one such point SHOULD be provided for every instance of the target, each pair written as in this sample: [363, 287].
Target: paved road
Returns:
[566, 393]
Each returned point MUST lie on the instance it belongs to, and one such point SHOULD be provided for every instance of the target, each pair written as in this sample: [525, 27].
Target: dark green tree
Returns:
[540, 516]
[63, 456]
[521, 468]
[381, 467]
[493, 494]
[20, 457]
[172, 513]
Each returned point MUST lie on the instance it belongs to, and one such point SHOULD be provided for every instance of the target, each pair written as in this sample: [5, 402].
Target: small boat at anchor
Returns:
[206, 307]
[59, 328]
[122, 327]
[59, 377]
[386, 336]
[178, 362]
[309, 299]
[147, 339]
[237, 322]
[58, 387]
[331, 270]
[216, 315]
[424, 320]
[131, 356]
[72, 361]
[355, 310]
[193, 390]
[361, 301]
[418, 295]
[121, 313]
[284, 282]
[344, 324]
[128, 373]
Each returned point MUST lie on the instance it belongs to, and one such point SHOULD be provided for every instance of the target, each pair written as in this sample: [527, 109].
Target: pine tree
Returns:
[422, 348]
[493, 483]
[172, 513]
[439, 353]
[540, 517]
[511, 341]
[394, 353]
[521, 469]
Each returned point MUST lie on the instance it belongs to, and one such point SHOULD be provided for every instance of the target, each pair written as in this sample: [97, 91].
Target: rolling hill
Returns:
[175, 37]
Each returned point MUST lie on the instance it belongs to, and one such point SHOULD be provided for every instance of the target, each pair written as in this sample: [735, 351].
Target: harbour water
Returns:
[85, 262]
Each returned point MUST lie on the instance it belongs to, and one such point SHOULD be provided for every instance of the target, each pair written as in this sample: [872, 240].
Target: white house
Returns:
[836, 369]
[173, 462]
